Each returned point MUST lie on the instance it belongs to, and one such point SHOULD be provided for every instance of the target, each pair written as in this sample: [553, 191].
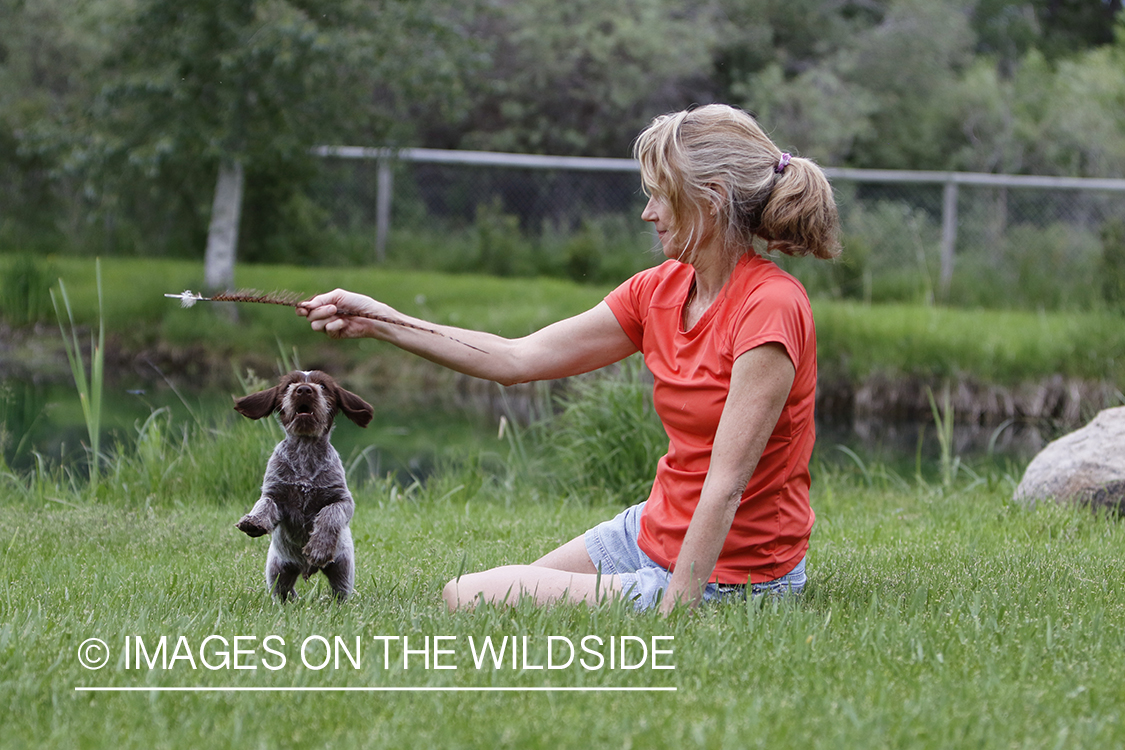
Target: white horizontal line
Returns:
[503, 689]
[533, 161]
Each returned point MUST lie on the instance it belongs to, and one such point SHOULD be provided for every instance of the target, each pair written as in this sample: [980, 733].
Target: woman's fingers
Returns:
[322, 312]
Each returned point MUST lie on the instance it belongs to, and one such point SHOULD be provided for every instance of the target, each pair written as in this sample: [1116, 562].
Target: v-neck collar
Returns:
[713, 309]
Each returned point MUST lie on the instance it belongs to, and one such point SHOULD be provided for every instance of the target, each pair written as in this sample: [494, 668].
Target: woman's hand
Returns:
[322, 311]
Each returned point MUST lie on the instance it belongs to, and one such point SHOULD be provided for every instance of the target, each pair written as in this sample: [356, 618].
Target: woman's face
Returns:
[659, 213]
[677, 245]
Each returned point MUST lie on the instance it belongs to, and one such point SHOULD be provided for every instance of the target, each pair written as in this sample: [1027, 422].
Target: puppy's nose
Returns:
[304, 390]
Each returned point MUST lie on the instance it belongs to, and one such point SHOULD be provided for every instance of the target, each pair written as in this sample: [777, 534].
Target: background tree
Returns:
[47, 50]
[242, 89]
[782, 61]
[118, 116]
[583, 77]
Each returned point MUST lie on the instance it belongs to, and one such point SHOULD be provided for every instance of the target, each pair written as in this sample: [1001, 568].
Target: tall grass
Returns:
[25, 285]
[605, 440]
[89, 388]
[1004, 347]
[943, 422]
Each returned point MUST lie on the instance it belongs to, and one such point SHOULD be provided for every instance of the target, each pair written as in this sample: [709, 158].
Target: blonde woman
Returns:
[729, 339]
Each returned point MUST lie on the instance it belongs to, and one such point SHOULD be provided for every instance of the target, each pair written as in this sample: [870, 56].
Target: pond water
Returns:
[45, 420]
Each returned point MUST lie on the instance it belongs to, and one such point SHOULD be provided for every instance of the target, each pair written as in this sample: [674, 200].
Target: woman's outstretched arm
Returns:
[575, 345]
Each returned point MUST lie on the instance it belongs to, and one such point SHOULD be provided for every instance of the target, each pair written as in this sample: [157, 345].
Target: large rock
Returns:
[1085, 467]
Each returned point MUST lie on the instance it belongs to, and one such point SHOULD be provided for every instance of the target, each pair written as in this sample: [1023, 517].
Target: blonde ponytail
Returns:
[718, 157]
[800, 217]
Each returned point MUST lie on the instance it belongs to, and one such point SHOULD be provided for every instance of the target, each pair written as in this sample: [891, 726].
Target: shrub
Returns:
[1113, 263]
[25, 290]
[606, 438]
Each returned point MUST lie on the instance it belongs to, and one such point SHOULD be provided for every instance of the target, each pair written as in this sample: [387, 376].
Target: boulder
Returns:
[1085, 467]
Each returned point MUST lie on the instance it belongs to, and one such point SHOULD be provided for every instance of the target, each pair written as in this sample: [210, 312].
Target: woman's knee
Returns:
[450, 596]
[499, 585]
[467, 589]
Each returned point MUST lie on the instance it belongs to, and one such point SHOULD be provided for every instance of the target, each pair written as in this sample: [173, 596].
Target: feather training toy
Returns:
[188, 298]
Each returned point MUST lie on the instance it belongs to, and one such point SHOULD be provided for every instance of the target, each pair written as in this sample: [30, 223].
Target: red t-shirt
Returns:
[759, 304]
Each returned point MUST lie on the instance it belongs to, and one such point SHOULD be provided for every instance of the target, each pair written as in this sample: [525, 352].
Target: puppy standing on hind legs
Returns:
[305, 504]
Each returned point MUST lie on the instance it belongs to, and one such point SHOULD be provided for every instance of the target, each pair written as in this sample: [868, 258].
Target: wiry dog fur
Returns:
[305, 504]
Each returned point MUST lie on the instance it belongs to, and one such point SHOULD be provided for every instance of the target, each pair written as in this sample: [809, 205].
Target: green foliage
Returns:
[604, 442]
[89, 388]
[1054, 267]
[25, 289]
[499, 249]
[852, 274]
[196, 84]
[117, 127]
[583, 77]
[1113, 264]
[890, 255]
[603, 250]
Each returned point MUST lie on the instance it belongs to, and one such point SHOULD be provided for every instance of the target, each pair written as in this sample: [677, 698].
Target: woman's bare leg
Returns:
[507, 584]
[564, 573]
[571, 556]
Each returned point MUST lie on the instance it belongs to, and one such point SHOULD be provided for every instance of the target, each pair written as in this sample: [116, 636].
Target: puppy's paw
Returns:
[251, 526]
[319, 552]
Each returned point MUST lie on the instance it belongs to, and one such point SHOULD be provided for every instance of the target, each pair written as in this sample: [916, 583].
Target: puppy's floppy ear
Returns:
[354, 407]
[258, 405]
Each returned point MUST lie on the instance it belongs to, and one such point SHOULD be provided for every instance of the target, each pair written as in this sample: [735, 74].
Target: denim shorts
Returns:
[612, 546]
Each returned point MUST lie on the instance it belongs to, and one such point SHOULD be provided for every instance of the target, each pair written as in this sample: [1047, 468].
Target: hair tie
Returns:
[786, 157]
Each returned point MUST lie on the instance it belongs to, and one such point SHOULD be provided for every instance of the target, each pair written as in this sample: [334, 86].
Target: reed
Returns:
[943, 422]
[89, 386]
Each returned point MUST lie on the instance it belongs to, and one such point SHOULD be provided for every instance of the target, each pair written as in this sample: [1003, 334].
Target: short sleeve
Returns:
[629, 302]
[776, 311]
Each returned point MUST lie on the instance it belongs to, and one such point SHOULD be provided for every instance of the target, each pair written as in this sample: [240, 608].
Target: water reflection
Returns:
[901, 444]
[45, 420]
[409, 438]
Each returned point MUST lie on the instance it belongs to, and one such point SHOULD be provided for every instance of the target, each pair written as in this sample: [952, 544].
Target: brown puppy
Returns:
[305, 504]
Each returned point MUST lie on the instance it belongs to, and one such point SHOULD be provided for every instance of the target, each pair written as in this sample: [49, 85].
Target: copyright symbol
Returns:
[93, 653]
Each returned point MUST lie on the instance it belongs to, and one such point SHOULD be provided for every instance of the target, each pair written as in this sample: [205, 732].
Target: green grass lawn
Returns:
[938, 614]
[933, 618]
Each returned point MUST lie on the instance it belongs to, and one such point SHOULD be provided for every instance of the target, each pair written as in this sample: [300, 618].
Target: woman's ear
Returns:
[716, 198]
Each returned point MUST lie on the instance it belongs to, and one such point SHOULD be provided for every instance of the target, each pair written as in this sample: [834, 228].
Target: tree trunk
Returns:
[222, 235]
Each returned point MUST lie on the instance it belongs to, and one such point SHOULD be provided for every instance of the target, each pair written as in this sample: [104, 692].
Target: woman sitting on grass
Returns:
[729, 339]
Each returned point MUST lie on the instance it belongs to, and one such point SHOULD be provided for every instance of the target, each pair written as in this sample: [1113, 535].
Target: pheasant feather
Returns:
[188, 298]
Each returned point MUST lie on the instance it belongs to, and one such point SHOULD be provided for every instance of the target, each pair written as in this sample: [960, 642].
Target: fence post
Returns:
[948, 237]
[384, 187]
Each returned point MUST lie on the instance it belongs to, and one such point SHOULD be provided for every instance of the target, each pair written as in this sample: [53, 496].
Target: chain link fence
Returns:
[960, 238]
